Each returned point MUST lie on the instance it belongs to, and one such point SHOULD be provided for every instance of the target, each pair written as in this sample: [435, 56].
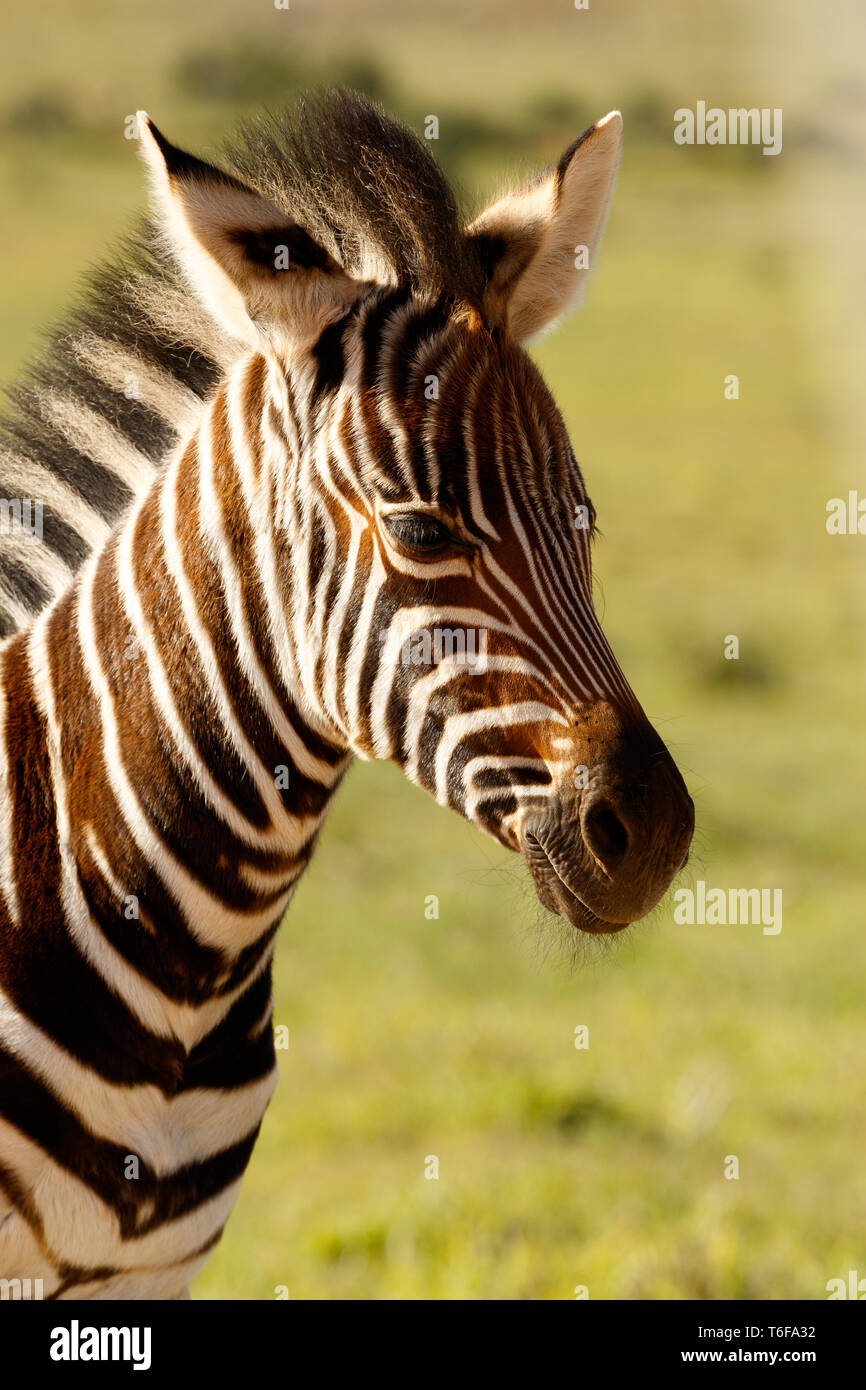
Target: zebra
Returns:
[293, 431]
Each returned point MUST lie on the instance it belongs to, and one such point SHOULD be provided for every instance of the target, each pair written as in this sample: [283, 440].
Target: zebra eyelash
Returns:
[420, 534]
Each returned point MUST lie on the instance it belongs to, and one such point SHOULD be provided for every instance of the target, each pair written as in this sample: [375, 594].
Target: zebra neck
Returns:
[191, 779]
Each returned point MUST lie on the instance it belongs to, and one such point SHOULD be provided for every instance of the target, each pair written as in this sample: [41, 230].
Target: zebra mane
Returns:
[365, 187]
[125, 376]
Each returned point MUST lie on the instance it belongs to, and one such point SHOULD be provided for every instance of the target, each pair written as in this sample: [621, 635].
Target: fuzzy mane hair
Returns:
[364, 186]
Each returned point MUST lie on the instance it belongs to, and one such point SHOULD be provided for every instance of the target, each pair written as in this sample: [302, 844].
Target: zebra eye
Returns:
[418, 532]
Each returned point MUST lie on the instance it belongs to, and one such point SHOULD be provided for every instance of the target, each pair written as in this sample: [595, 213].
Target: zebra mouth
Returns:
[558, 896]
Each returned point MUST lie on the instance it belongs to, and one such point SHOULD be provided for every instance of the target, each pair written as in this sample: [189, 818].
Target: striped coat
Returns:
[278, 459]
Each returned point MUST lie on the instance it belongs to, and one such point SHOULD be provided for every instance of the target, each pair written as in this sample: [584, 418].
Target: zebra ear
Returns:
[539, 243]
[261, 276]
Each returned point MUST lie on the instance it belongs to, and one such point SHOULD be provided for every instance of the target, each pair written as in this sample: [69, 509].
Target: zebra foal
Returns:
[337, 445]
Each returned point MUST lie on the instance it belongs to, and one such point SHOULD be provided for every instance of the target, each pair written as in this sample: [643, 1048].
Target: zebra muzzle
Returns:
[603, 858]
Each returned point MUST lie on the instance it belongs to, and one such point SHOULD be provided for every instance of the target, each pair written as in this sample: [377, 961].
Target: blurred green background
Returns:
[454, 1037]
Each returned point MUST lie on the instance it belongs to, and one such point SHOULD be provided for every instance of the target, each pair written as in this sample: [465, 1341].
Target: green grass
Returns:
[455, 1037]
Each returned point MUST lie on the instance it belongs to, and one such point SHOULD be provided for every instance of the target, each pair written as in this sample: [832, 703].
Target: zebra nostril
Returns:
[605, 834]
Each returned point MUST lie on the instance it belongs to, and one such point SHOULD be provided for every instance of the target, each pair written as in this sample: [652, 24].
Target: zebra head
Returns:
[432, 524]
